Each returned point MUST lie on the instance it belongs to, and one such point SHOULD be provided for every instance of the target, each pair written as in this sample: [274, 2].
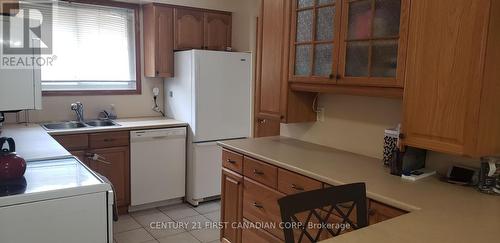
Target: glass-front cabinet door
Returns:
[373, 42]
[314, 40]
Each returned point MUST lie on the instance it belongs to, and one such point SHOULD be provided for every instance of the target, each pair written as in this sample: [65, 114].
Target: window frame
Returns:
[137, 24]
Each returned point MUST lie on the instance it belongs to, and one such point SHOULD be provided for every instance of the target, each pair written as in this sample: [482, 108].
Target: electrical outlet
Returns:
[320, 114]
[156, 91]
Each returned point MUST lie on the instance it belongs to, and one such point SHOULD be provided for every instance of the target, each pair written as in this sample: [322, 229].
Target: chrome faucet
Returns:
[78, 108]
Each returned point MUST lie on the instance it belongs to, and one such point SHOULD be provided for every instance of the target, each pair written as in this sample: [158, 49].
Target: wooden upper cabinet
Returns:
[452, 85]
[314, 41]
[373, 42]
[217, 31]
[274, 101]
[188, 29]
[341, 45]
[158, 41]
[270, 59]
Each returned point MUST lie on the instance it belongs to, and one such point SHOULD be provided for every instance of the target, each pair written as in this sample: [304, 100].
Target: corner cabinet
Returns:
[452, 77]
[349, 46]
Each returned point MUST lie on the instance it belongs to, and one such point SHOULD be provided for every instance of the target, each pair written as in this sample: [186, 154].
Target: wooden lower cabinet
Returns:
[107, 153]
[249, 201]
[114, 164]
[231, 210]
[253, 235]
[260, 205]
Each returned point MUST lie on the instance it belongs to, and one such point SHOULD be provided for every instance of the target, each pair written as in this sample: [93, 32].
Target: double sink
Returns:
[77, 124]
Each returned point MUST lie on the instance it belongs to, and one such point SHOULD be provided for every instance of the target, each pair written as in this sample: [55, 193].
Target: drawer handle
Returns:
[298, 188]
[109, 139]
[231, 161]
[371, 212]
[256, 172]
[257, 205]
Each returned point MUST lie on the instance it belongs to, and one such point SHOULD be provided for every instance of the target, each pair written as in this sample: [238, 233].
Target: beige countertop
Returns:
[34, 142]
[439, 212]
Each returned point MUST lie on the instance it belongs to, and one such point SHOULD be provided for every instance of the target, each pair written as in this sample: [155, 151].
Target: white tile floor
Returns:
[179, 223]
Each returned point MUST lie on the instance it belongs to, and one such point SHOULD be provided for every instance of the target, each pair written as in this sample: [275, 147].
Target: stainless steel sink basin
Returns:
[76, 124]
[63, 125]
[101, 123]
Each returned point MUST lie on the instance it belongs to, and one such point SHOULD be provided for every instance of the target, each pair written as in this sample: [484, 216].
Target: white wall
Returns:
[243, 39]
[356, 124]
[352, 123]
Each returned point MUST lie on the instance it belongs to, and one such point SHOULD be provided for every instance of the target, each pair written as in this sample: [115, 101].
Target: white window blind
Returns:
[94, 48]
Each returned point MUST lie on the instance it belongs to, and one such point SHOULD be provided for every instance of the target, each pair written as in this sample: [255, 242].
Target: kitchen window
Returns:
[96, 49]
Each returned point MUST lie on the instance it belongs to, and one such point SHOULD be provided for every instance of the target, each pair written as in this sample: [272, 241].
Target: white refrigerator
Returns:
[212, 92]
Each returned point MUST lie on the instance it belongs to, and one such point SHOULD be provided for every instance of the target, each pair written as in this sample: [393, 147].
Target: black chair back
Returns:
[330, 210]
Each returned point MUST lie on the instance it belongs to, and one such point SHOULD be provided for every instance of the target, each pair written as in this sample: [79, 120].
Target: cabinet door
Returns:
[314, 47]
[165, 54]
[373, 42]
[158, 41]
[114, 164]
[443, 87]
[231, 204]
[266, 127]
[217, 32]
[270, 74]
[188, 29]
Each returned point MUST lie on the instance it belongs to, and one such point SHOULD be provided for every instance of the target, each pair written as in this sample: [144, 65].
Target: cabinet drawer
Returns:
[264, 173]
[260, 204]
[254, 235]
[109, 139]
[291, 183]
[232, 161]
[73, 141]
[379, 212]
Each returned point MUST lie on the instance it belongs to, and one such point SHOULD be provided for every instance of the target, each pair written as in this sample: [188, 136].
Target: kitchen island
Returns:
[438, 212]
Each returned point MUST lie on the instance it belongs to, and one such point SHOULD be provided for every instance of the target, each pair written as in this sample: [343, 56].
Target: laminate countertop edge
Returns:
[35, 143]
[437, 209]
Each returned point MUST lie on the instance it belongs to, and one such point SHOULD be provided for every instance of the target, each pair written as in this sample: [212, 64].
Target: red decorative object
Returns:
[11, 165]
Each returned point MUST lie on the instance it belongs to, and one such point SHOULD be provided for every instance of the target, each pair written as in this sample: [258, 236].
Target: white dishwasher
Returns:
[157, 165]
